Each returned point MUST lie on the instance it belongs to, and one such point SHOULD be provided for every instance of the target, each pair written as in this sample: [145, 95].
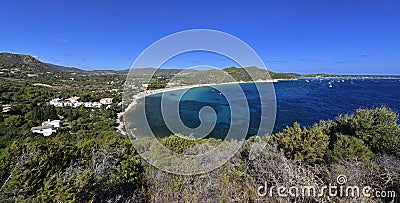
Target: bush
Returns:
[307, 145]
[350, 148]
[51, 169]
[178, 143]
[378, 129]
[14, 121]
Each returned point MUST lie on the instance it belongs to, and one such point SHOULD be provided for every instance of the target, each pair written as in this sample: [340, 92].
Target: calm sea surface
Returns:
[305, 101]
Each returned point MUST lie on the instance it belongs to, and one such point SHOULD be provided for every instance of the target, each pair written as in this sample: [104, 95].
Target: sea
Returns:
[306, 101]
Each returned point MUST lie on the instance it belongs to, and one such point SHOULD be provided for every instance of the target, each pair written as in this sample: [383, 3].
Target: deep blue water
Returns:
[305, 101]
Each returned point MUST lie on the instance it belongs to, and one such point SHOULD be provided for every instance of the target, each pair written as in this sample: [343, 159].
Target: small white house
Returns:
[6, 108]
[96, 104]
[45, 130]
[48, 127]
[106, 101]
[57, 102]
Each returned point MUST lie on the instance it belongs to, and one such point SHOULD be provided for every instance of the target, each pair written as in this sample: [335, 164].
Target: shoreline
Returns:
[135, 98]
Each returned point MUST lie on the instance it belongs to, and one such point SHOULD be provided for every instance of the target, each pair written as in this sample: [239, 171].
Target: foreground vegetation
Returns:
[101, 165]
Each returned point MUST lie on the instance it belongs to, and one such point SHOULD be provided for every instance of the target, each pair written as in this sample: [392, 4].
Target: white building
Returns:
[45, 130]
[48, 127]
[74, 103]
[96, 105]
[106, 101]
[6, 108]
[57, 102]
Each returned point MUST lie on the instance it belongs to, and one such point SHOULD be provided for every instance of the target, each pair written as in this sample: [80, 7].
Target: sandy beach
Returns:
[135, 99]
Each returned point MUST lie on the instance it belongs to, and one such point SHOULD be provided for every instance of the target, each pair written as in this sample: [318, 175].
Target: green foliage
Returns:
[14, 120]
[378, 129]
[351, 137]
[254, 73]
[43, 112]
[239, 74]
[158, 82]
[307, 145]
[87, 161]
[179, 144]
[57, 169]
[350, 148]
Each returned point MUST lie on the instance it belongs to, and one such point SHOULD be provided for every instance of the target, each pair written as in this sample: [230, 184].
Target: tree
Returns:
[50, 112]
[14, 120]
[69, 114]
[37, 114]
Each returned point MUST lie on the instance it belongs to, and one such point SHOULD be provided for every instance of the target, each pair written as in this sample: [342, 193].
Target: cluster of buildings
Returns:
[75, 103]
[48, 127]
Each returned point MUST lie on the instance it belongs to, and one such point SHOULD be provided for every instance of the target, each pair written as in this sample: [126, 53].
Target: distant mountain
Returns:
[161, 71]
[29, 64]
[243, 74]
[64, 68]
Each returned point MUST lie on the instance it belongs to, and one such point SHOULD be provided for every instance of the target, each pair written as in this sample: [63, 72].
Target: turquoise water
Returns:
[305, 101]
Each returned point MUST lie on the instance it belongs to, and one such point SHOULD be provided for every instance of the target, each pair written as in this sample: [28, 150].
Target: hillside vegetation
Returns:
[101, 165]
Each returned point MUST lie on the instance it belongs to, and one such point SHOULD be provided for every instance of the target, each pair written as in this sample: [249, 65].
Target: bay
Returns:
[306, 101]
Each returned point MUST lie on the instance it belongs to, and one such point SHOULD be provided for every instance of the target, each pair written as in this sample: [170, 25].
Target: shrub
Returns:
[307, 145]
[14, 121]
[179, 143]
[350, 148]
[378, 129]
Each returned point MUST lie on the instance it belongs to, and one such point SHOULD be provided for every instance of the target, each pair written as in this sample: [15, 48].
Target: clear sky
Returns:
[336, 36]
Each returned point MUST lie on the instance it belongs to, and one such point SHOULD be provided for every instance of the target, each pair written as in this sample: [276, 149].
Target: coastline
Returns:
[135, 98]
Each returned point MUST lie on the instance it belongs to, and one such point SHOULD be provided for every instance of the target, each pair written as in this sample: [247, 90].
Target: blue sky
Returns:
[346, 37]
